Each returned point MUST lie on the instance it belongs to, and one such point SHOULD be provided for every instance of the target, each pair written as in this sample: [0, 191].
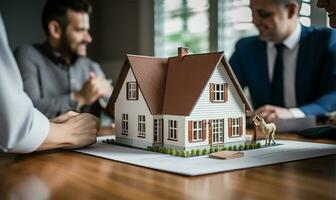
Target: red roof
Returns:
[173, 85]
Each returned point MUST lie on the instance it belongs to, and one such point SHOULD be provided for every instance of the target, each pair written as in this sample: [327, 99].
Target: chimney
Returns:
[182, 51]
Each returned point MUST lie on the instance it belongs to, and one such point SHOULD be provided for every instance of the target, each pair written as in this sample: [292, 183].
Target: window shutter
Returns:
[230, 127]
[161, 123]
[190, 131]
[210, 132]
[226, 92]
[127, 87]
[223, 130]
[211, 95]
[203, 130]
[240, 126]
[137, 91]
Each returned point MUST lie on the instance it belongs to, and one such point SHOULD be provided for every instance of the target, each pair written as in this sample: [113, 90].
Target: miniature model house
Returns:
[183, 102]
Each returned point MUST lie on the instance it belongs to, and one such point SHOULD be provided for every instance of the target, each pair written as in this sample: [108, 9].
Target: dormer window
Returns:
[218, 92]
[132, 91]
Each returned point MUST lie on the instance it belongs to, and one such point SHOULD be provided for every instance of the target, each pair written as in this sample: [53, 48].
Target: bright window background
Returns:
[181, 23]
[186, 23]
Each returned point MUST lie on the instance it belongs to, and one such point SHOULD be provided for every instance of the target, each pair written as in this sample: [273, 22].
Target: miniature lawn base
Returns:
[195, 152]
[288, 151]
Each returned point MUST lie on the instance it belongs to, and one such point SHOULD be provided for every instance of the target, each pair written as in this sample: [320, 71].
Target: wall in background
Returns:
[22, 21]
[117, 27]
[121, 27]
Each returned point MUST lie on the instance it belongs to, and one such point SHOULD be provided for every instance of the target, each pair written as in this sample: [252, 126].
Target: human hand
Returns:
[72, 132]
[81, 130]
[271, 113]
[64, 117]
[94, 88]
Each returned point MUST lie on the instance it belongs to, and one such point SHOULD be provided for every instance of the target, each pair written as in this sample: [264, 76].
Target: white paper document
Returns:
[287, 151]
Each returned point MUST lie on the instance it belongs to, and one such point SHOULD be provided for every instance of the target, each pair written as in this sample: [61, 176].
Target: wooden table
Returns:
[64, 174]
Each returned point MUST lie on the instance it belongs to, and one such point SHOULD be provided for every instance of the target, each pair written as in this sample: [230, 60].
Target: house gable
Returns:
[134, 109]
[150, 75]
[186, 78]
[204, 108]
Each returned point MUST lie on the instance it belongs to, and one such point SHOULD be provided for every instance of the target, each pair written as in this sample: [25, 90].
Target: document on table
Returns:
[285, 152]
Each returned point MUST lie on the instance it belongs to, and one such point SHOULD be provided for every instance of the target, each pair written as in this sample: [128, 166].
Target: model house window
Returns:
[181, 23]
[218, 92]
[172, 129]
[124, 124]
[141, 126]
[158, 130]
[197, 130]
[132, 91]
[235, 127]
[218, 131]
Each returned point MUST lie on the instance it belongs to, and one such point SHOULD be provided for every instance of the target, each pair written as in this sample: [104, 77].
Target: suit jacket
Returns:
[22, 128]
[315, 73]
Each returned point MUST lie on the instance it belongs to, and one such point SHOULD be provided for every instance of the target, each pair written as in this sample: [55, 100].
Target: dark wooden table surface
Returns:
[62, 174]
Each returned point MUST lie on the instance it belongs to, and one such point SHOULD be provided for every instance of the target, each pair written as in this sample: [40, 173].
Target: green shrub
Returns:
[198, 152]
[234, 148]
[111, 141]
[241, 147]
[251, 146]
[161, 149]
[156, 149]
[204, 152]
[172, 152]
[230, 148]
[211, 150]
[258, 145]
[149, 148]
[193, 152]
[185, 154]
[166, 151]
[178, 153]
[224, 148]
[216, 149]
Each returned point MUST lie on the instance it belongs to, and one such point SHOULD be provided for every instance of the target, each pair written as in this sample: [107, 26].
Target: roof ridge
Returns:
[200, 54]
[142, 56]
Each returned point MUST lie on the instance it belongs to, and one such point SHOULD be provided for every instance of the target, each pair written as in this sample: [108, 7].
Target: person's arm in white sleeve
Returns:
[24, 129]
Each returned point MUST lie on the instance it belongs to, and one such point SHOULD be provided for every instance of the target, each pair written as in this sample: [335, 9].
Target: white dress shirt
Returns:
[290, 54]
[22, 128]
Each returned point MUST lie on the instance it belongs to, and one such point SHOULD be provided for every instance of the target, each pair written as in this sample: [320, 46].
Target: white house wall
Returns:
[181, 131]
[133, 108]
[233, 108]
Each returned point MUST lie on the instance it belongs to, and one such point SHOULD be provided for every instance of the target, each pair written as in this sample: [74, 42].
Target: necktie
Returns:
[277, 82]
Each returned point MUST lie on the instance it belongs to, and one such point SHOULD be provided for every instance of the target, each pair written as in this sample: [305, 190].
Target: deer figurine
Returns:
[267, 129]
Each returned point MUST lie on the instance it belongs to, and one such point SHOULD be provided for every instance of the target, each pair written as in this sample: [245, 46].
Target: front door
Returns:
[217, 131]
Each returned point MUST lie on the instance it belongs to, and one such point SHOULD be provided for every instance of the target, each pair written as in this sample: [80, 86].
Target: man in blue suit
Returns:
[289, 68]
